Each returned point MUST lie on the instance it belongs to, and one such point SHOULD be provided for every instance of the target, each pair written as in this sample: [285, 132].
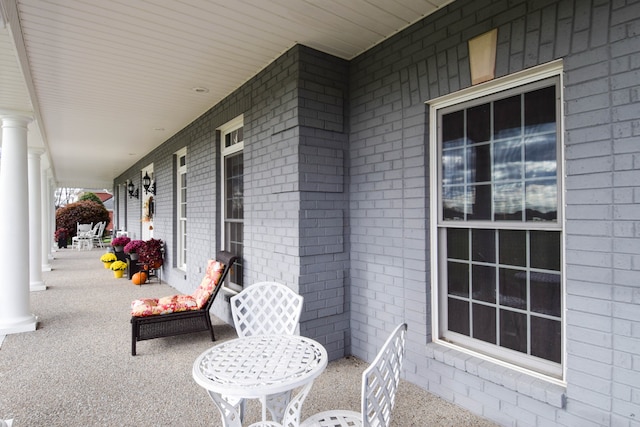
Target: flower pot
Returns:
[107, 264]
[118, 248]
[118, 274]
[133, 256]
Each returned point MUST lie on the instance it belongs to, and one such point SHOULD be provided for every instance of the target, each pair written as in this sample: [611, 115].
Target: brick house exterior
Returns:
[339, 195]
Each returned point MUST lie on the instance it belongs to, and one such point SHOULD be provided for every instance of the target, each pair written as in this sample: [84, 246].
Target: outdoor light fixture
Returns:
[146, 184]
[133, 191]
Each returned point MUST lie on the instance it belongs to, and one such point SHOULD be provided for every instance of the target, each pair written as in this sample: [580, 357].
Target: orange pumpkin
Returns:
[139, 278]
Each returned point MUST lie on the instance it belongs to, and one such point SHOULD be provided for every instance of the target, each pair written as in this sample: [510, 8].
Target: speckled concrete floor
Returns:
[76, 369]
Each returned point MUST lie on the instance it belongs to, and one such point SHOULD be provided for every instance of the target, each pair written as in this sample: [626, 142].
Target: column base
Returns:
[37, 286]
[23, 325]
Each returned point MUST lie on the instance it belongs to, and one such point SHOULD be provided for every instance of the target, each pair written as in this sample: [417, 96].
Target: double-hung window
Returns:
[496, 165]
[232, 146]
[181, 208]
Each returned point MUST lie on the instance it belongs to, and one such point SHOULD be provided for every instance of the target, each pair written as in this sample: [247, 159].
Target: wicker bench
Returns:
[182, 322]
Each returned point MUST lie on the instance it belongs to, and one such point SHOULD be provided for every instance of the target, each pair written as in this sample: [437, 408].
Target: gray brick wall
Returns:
[294, 182]
[389, 176]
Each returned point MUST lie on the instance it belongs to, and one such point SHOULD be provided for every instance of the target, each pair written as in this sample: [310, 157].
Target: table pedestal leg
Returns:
[229, 413]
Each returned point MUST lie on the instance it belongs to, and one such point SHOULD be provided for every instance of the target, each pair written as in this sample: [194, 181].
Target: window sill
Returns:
[520, 382]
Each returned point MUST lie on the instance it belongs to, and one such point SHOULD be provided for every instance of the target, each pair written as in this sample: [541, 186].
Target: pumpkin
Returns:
[139, 278]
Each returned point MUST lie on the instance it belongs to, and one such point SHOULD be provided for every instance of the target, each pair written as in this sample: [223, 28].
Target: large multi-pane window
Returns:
[232, 145]
[181, 208]
[499, 223]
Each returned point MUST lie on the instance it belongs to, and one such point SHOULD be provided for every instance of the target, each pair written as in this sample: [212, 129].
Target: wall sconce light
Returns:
[133, 191]
[146, 184]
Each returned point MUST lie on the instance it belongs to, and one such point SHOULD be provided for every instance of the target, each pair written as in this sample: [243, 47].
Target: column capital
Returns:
[15, 118]
[35, 151]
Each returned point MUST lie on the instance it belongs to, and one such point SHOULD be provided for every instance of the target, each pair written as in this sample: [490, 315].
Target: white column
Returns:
[46, 235]
[15, 313]
[35, 220]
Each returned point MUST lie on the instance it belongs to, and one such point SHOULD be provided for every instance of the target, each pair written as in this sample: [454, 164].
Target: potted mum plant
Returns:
[151, 254]
[61, 236]
[107, 259]
[119, 243]
[118, 268]
[132, 248]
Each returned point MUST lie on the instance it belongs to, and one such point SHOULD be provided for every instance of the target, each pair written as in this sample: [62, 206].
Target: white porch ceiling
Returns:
[107, 81]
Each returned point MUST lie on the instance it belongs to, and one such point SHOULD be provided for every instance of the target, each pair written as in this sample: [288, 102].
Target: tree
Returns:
[83, 212]
[91, 197]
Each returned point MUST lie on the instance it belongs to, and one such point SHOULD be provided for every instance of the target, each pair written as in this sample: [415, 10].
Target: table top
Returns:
[260, 365]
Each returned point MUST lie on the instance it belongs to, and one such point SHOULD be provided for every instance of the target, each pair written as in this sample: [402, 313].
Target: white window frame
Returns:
[235, 148]
[546, 371]
[181, 221]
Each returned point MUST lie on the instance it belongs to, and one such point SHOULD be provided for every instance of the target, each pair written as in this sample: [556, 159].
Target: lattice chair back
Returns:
[266, 308]
[380, 380]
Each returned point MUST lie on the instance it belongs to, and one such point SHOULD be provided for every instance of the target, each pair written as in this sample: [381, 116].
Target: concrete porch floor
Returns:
[76, 369]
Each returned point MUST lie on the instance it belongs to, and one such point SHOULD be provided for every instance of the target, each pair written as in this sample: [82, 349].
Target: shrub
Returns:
[83, 212]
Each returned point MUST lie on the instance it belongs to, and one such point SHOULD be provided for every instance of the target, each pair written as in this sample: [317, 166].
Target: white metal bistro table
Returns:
[257, 366]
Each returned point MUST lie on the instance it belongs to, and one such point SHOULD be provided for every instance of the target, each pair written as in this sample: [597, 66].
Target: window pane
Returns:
[508, 202]
[458, 279]
[507, 160]
[481, 202]
[484, 323]
[484, 283]
[458, 243]
[453, 167]
[506, 119]
[513, 247]
[479, 123]
[513, 330]
[458, 315]
[453, 202]
[545, 293]
[546, 339]
[545, 250]
[513, 288]
[540, 110]
[479, 163]
[540, 156]
[542, 200]
[483, 245]
[453, 129]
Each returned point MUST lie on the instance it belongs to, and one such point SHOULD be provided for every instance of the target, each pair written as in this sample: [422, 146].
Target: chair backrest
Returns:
[100, 233]
[266, 308]
[83, 228]
[228, 259]
[380, 380]
[96, 229]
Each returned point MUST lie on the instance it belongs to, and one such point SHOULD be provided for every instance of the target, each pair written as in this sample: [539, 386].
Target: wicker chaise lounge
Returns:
[180, 314]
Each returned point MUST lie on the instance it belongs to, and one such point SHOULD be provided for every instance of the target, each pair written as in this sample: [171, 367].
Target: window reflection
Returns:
[507, 176]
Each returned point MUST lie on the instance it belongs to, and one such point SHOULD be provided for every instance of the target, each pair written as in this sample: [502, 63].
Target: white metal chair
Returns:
[98, 232]
[266, 308]
[379, 387]
[83, 236]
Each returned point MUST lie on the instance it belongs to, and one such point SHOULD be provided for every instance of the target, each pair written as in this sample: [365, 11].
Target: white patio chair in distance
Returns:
[266, 308]
[379, 386]
[98, 232]
[83, 236]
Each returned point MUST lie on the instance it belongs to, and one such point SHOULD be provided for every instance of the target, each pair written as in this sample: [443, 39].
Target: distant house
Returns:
[495, 212]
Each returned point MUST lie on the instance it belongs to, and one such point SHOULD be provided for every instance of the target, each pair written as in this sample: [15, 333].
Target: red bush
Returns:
[83, 212]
